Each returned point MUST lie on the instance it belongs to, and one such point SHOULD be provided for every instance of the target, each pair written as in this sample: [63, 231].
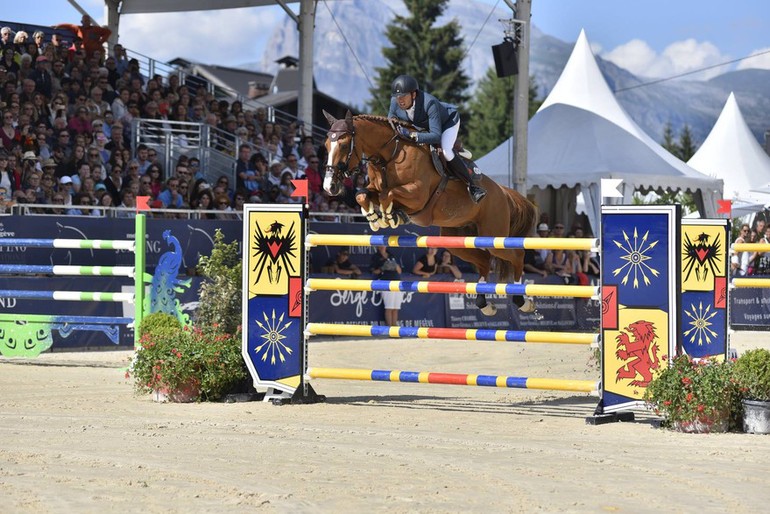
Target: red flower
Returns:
[690, 397]
[686, 380]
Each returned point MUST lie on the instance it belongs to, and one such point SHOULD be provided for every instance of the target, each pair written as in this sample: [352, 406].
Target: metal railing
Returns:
[216, 149]
[149, 67]
[26, 209]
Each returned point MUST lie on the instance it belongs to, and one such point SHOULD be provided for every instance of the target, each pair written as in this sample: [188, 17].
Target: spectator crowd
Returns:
[67, 111]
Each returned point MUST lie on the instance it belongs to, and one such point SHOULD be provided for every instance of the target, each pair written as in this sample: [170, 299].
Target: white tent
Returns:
[581, 134]
[732, 153]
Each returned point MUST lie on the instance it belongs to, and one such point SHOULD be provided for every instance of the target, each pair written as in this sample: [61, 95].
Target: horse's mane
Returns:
[381, 119]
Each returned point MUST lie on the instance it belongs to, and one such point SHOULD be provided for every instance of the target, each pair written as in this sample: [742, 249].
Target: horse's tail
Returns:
[523, 215]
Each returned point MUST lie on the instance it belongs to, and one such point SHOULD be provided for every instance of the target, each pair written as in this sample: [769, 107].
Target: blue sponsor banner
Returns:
[196, 237]
[74, 324]
[365, 308]
[750, 307]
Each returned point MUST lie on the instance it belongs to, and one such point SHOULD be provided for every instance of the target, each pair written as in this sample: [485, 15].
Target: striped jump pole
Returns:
[137, 246]
[74, 320]
[521, 243]
[750, 247]
[750, 282]
[424, 377]
[327, 284]
[79, 244]
[463, 334]
[72, 296]
[61, 270]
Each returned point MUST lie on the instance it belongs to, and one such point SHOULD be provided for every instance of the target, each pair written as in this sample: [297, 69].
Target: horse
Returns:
[405, 186]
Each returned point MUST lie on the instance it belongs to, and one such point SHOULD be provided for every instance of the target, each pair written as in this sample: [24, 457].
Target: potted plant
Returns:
[183, 364]
[694, 396]
[752, 376]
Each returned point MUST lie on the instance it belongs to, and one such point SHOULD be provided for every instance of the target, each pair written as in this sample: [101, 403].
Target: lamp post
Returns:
[521, 11]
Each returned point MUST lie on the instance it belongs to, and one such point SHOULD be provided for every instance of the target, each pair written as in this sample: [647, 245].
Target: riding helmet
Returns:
[404, 84]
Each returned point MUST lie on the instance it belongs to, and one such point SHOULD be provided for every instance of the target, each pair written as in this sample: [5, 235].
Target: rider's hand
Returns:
[403, 132]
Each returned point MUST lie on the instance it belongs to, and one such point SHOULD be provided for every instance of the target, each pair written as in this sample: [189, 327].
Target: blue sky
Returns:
[655, 38]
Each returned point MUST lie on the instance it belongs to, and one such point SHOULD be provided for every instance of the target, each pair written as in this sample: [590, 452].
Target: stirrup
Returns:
[477, 193]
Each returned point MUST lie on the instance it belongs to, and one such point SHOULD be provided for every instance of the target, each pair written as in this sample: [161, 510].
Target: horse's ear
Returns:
[349, 119]
[331, 119]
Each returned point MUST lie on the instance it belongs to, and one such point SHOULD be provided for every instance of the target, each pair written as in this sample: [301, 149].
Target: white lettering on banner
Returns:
[13, 249]
[361, 298]
[357, 298]
[8, 303]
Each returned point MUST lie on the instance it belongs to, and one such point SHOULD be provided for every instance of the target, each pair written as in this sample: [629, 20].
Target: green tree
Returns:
[668, 140]
[687, 146]
[491, 111]
[431, 54]
[683, 149]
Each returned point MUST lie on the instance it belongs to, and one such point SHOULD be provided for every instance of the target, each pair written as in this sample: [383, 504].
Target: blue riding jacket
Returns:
[429, 114]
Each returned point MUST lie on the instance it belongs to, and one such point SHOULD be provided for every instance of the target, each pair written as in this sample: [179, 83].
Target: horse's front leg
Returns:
[368, 201]
[394, 205]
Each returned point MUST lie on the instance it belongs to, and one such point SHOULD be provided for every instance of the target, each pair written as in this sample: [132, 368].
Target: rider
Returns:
[441, 120]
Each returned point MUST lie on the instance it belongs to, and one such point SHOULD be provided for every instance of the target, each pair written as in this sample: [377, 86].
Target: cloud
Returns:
[760, 61]
[226, 37]
[679, 57]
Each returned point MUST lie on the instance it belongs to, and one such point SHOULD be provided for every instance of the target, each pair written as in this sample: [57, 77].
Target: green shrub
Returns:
[752, 374]
[687, 390]
[159, 323]
[219, 296]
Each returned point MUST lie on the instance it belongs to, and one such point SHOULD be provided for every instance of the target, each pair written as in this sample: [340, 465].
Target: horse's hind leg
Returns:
[480, 259]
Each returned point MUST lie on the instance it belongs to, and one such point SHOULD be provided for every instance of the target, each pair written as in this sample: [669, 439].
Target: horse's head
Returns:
[340, 145]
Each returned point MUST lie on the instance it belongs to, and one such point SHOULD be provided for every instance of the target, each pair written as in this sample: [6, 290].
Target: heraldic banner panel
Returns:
[705, 264]
[640, 299]
[273, 306]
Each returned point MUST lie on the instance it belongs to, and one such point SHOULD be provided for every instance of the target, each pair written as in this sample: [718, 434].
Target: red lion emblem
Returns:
[640, 353]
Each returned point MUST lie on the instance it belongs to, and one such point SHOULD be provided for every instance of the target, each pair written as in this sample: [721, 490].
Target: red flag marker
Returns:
[301, 187]
[725, 207]
[142, 203]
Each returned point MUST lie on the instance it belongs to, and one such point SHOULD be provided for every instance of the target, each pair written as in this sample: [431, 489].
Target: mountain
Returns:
[350, 34]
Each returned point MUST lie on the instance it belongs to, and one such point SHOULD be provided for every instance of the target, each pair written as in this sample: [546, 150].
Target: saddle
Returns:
[440, 163]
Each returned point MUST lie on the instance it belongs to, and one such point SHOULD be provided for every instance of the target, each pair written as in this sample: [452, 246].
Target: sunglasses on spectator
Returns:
[223, 203]
[146, 182]
[58, 199]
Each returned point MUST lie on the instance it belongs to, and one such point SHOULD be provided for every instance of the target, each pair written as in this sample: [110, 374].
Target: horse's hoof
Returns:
[489, 309]
[375, 226]
[528, 306]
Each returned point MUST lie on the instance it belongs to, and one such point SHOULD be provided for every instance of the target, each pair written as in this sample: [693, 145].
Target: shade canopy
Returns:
[581, 134]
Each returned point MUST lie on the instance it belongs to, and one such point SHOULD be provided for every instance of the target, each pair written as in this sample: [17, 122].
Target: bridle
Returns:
[341, 128]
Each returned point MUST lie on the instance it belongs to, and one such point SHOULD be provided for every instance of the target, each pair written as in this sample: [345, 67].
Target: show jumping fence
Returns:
[137, 246]
[295, 384]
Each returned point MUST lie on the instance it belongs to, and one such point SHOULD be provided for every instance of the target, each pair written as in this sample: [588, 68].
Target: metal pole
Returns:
[521, 100]
[305, 101]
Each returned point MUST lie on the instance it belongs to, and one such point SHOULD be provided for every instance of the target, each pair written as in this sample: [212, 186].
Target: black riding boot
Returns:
[472, 179]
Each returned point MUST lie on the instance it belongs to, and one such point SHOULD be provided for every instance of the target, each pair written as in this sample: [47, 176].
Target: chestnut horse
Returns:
[404, 186]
